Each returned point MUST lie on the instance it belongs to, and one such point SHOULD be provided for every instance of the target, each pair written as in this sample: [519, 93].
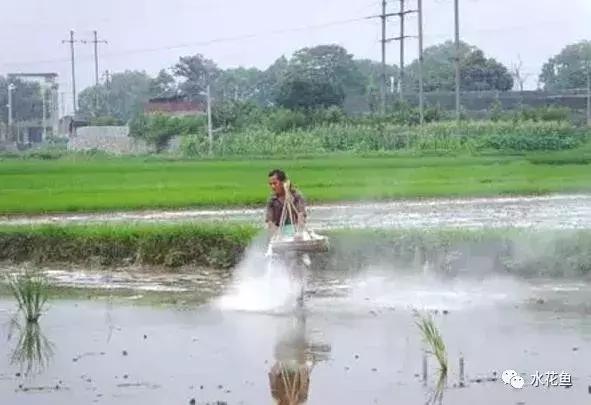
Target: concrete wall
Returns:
[115, 140]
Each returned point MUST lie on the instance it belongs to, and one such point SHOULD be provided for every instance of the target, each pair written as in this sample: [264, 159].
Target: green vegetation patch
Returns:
[446, 251]
[99, 184]
[212, 245]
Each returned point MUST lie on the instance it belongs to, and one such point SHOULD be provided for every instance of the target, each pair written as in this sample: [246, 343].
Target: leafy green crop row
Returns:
[465, 136]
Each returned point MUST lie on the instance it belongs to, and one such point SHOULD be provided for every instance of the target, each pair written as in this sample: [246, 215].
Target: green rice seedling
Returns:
[434, 342]
[30, 289]
[424, 169]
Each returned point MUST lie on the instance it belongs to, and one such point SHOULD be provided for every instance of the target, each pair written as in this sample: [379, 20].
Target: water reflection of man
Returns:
[289, 377]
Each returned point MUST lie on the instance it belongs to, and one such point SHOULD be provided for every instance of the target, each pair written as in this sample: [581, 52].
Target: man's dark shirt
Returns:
[275, 207]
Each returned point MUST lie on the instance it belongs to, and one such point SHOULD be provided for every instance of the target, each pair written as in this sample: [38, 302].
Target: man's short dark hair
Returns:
[280, 174]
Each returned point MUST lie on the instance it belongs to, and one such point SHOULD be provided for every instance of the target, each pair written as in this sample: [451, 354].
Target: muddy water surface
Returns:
[356, 340]
[557, 212]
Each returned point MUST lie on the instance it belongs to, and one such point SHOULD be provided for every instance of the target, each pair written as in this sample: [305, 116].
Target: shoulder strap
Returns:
[288, 208]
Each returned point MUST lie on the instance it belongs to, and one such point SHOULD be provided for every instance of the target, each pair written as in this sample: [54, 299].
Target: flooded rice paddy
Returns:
[355, 339]
[238, 337]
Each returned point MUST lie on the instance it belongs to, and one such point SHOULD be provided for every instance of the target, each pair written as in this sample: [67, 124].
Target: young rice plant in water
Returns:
[434, 342]
[30, 289]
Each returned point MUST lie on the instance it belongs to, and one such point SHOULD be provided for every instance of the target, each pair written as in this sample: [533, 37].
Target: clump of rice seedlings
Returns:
[30, 289]
[434, 342]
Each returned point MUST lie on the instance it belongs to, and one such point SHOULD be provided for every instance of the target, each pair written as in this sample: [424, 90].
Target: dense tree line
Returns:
[320, 77]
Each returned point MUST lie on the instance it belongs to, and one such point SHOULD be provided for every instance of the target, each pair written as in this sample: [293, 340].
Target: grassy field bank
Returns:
[564, 253]
[69, 184]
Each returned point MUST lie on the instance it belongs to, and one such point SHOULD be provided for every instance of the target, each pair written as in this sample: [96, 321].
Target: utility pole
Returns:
[384, 15]
[71, 41]
[209, 124]
[107, 78]
[402, 14]
[383, 81]
[95, 42]
[11, 88]
[62, 103]
[401, 51]
[457, 29]
[589, 93]
[421, 94]
[44, 113]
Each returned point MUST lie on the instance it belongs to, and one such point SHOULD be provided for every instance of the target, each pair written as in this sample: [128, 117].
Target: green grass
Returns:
[206, 245]
[105, 184]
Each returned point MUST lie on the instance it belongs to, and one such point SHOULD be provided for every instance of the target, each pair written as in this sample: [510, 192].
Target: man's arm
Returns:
[300, 206]
[269, 220]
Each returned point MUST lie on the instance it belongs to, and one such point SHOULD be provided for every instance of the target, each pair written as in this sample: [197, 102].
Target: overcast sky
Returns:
[152, 34]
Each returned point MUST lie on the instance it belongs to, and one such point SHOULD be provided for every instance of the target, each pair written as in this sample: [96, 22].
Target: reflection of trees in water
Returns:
[33, 351]
[295, 356]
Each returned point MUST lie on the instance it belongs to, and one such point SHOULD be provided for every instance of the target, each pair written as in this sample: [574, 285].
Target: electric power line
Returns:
[203, 43]
[277, 32]
[384, 16]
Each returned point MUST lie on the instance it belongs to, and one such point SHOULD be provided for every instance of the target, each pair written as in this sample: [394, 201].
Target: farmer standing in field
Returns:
[296, 262]
[278, 182]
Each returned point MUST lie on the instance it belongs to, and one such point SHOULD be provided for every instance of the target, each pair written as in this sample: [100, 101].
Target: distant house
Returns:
[174, 106]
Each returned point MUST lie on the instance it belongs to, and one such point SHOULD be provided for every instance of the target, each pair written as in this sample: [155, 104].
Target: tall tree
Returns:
[518, 74]
[371, 72]
[196, 72]
[27, 103]
[477, 71]
[300, 92]
[371, 76]
[163, 85]
[238, 84]
[330, 63]
[319, 77]
[568, 69]
[481, 74]
[271, 80]
[122, 97]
